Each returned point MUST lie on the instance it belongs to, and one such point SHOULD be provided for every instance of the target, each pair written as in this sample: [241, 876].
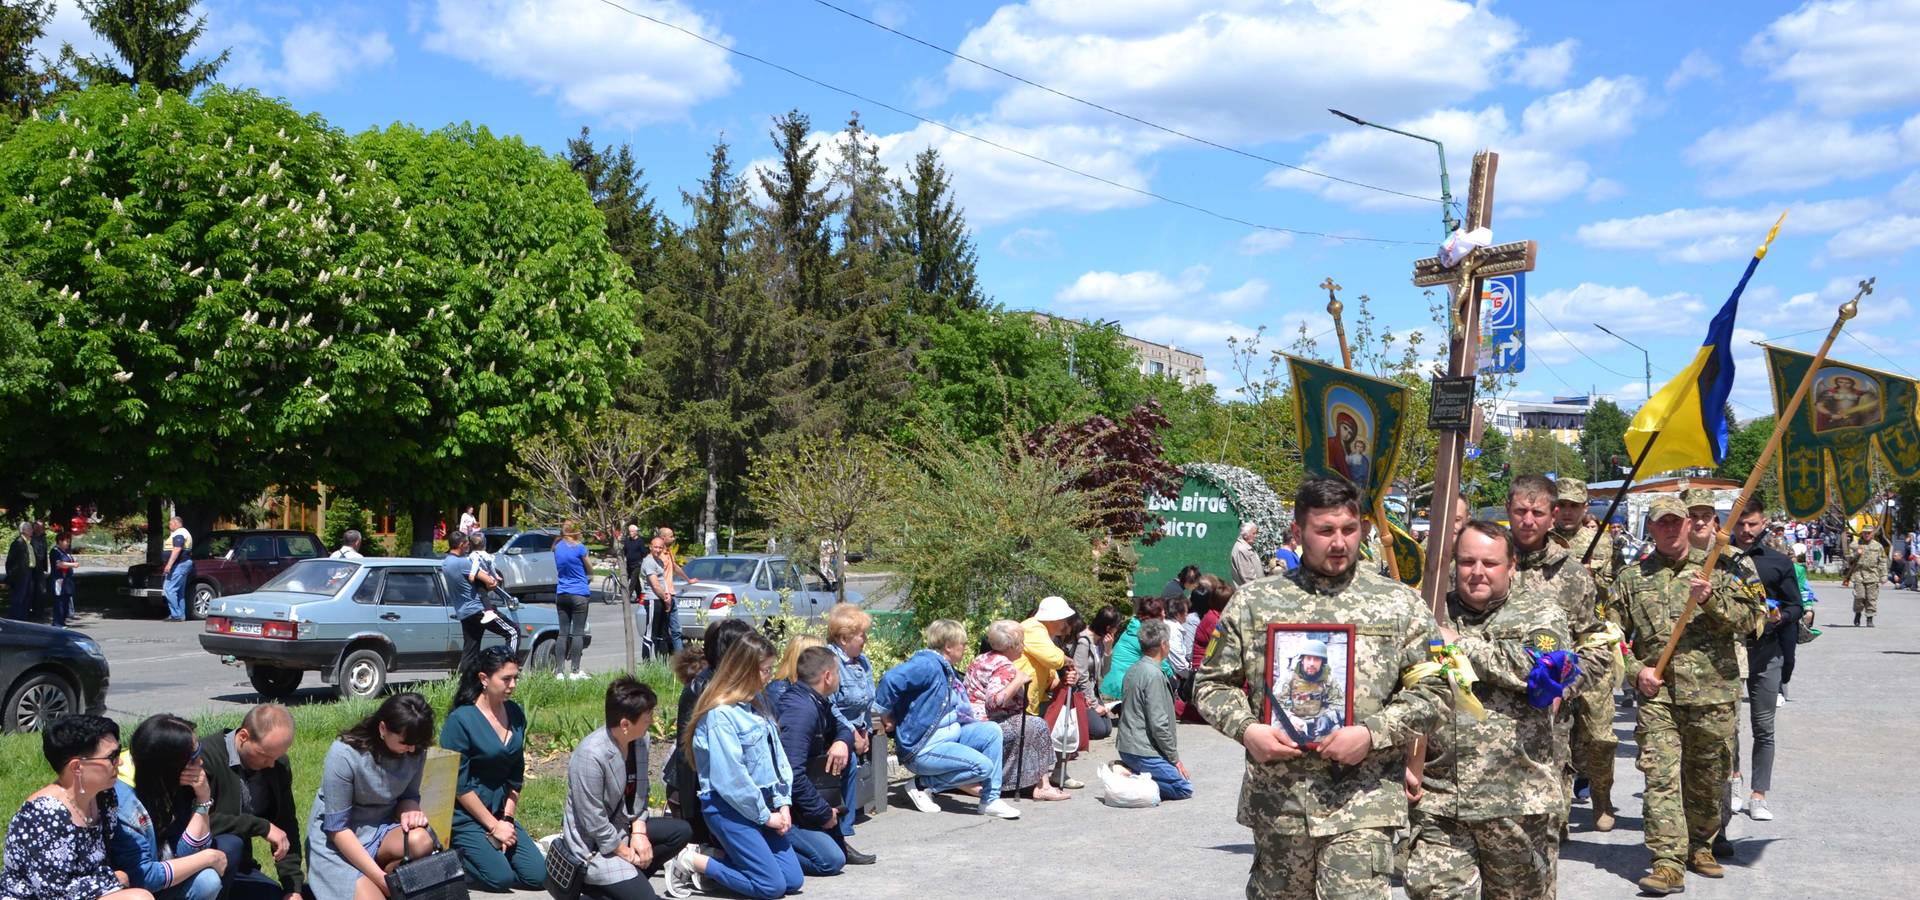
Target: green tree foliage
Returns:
[1602, 437]
[984, 530]
[344, 513]
[152, 39]
[25, 75]
[523, 313]
[944, 255]
[213, 286]
[635, 228]
[1537, 453]
[832, 488]
[1744, 444]
[1488, 475]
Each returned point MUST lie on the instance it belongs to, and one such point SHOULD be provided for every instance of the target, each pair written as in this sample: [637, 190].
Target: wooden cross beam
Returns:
[1463, 280]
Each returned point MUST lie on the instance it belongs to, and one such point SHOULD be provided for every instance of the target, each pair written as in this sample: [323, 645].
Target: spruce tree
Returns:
[153, 38]
[24, 74]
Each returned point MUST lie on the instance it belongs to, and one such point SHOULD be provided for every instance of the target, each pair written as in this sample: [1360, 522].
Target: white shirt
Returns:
[346, 553]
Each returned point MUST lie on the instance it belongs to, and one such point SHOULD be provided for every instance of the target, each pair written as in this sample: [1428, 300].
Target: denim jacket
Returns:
[917, 695]
[853, 702]
[136, 848]
[737, 752]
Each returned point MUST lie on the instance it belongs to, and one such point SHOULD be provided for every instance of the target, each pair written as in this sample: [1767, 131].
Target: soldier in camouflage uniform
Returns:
[1318, 828]
[1866, 571]
[1686, 719]
[1547, 569]
[1486, 821]
[1592, 742]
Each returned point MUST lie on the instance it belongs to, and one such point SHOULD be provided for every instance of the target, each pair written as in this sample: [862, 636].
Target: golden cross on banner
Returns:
[1464, 280]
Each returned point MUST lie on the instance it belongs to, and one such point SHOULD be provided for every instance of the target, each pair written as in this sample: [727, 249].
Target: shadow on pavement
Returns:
[1607, 858]
[1240, 849]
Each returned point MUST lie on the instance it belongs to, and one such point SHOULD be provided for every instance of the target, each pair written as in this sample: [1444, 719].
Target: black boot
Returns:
[1856, 620]
[855, 857]
[1869, 621]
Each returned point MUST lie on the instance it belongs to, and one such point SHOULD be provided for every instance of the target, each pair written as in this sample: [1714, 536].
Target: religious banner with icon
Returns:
[1826, 452]
[1349, 425]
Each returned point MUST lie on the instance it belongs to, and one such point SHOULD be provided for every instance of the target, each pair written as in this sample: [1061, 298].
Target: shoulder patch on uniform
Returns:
[1543, 641]
[1374, 630]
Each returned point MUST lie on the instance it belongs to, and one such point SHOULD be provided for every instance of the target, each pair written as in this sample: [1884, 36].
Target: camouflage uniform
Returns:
[1867, 569]
[1488, 824]
[1315, 830]
[1592, 744]
[1685, 731]
[1557, 577]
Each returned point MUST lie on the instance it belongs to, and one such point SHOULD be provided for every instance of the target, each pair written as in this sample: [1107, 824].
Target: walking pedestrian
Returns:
[571, 600]
[349, 545]
[177, 569]
[1766, 654]
[1245, 563]
[469, 524]
[469, 585]
[42, 559]
[20, 574]
[634, 550]
[1866, 571]
[62, 566]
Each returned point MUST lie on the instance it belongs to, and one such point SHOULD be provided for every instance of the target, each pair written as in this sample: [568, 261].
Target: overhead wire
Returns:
[1120, 113]
[1875, 351]
[1154, 195]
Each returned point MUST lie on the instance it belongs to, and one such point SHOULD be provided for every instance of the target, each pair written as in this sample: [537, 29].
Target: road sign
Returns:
[1503, 346]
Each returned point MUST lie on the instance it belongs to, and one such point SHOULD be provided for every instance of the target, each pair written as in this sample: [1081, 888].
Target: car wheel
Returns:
[274, 682]
[39, 700]
[363, 673]
[545, 656]
[204, 593]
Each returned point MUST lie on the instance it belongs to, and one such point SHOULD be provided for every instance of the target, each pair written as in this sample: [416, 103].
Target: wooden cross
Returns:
[1463, 280]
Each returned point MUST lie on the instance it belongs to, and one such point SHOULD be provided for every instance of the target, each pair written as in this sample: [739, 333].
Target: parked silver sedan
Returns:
[750, 586]
[355, 621]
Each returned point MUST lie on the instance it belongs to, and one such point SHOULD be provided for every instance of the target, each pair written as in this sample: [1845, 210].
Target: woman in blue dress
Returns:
[489, 731]
[366, 817]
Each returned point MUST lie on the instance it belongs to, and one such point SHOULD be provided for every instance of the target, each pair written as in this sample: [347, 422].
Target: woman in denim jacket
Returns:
[847, 627]
[163, 839]
[746, 785]
[934, 730]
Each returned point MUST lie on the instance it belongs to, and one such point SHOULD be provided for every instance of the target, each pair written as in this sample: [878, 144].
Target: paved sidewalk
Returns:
[1843, 793]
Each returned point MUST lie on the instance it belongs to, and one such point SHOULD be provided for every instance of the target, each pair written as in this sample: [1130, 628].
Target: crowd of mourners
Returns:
[761, 786]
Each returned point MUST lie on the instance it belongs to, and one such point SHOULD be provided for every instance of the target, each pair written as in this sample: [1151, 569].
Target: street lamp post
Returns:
[1446, 190]
[1646, 359]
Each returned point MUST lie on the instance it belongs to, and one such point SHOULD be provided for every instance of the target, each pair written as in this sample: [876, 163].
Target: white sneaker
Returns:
[1780, 702]
[1000, 809]
[681, 877]
[1739, 802]
[1757, 809]
[922, 800]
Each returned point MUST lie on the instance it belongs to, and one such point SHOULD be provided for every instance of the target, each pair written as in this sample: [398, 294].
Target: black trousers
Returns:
[244, 880]
[1788, 633]
[472, 630]
[669, 837]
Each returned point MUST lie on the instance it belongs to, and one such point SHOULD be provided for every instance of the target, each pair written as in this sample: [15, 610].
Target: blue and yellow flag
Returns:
[1689, 414]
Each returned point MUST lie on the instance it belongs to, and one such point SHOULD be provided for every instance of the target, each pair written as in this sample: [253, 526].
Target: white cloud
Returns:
[1628, 310]
[311, 57]
[1906, 194]
[1882, 238]
[1712, 234]
[1544, 68]
[1261, 243]
[1238, 69]
[1695, 66]
[1110, 292]
[1791, 151]
[1031, 243]
[1845, 56]
[1536, 167]
[596, 59]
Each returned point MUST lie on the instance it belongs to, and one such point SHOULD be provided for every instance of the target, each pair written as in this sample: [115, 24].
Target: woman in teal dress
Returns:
[489, 731]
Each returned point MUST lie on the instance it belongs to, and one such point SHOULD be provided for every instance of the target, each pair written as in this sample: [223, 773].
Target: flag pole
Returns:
[1621, 494]
[1334, 308]
[1721, 541]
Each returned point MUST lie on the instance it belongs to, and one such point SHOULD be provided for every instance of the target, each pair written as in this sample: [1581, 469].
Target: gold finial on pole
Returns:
[1851, 308]
[1334, 308]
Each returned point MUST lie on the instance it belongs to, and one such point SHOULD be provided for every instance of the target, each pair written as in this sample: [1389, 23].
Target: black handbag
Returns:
[436, 876]
[566, 873]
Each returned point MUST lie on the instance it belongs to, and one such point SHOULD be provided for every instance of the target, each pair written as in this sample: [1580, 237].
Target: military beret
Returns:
[1570, 490]
[1666, 506]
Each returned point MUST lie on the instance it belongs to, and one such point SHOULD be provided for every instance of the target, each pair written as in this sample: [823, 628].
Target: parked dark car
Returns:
[355, 621]
[227, 563]
[46, 673]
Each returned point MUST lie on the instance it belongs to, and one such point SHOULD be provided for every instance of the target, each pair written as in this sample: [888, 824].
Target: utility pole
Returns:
[1646, 360]
[1446, 190]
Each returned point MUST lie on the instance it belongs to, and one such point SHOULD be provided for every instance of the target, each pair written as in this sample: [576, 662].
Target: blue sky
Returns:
[1646, 146]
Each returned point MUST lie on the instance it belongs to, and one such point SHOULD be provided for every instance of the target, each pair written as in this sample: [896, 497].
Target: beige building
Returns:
[1155, 359]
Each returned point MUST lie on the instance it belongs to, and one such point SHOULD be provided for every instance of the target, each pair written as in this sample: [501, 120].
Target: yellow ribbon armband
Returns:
[1612, 637]
[1453, 666]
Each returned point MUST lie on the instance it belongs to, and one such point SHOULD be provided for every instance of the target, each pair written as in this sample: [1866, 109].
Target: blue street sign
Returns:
[1473, 452]
[1503, 300]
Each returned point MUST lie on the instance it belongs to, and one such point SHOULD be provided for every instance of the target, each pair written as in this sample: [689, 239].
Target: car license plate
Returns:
[690, 603]
[252, 628]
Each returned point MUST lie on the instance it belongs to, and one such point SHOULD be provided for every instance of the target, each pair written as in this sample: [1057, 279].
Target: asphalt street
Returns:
[158, 666]
[1844, 793]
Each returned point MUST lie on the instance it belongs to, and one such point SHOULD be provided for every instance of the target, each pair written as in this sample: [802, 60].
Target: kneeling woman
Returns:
[489, 731]
[746, 785]
[366, 817]
[605, 822]
[164, 841]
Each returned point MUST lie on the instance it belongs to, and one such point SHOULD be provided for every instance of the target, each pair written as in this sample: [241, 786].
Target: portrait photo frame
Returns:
[1305, 704]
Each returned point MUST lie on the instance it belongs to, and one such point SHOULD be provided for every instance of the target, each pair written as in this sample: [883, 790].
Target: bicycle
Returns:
[615, 590]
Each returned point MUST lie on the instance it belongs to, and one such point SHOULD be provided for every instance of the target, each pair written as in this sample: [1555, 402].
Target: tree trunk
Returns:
[424, 516]
[839, 564]
[710, 510]
[156, 528]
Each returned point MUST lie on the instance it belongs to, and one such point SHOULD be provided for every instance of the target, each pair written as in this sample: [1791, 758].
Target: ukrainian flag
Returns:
[1686, 421]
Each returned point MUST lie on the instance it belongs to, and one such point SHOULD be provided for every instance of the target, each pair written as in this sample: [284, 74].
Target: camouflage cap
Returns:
[1693, 497]
[1666, 506]
[1570, 490]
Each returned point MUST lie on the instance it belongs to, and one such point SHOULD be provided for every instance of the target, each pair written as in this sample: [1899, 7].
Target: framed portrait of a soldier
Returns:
[1309, 680]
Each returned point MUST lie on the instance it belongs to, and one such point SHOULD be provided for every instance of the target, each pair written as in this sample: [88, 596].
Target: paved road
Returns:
[159, 666]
